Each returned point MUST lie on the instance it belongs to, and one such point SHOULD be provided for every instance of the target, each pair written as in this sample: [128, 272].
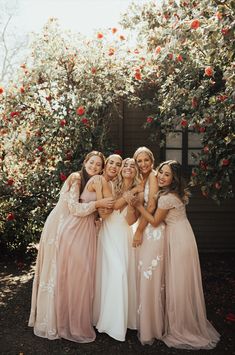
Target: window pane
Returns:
[174, 140]
[191, 160]
[174, 155]
[194, 140]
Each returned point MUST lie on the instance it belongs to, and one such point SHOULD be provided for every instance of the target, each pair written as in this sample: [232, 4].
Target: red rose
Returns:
[111, 51]
[40, 148]
[179, 58]
[225, 162]
[10, 216]
[218, 185]
[84, 120]
[219, 15]
[184, 123]
[158, 49]
[202, 129]
[114, 30]
[48, 98]
[203, 165]
[206, 149]
[10, 182]
[170, 56]
[138, 75]
[149, 119]
[224, 31]
[14, 113]
[80, 110]
[222, 98]
[93, 70]
[194, 102]
[208, 71]
[205, 193]
[22, 89]
[194, 173]
[69, 155]
[230, 317]
[1, 90]
[100, 35]
[195, 24]
[63, 177]
[118, 151]
[63, 122]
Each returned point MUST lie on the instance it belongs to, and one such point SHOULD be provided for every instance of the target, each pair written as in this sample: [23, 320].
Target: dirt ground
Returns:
[16, 338]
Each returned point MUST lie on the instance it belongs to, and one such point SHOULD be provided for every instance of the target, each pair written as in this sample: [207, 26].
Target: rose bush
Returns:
[188, 75]
[60, 109]
[67, 91]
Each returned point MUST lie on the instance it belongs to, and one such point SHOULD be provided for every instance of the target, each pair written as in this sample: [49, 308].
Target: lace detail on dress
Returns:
[76, 208]
[153, 232]
[169, 201]
[149, 271]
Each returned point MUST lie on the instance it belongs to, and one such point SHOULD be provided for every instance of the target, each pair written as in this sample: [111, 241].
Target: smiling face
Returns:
[164, 176]
[94, 165]
[112, 167]
[129, 169]
[144, 163]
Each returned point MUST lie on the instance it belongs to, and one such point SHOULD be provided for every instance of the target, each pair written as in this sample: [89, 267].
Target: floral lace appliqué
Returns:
[154, 264]
[154, 233]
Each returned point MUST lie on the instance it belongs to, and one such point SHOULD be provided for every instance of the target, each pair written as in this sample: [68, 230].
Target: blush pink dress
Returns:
[76, 271]
[43, 317]
[187, 326]
[150, 281]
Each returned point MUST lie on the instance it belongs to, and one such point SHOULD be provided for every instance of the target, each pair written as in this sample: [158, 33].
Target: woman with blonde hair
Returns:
[114, 305]
[150, 258]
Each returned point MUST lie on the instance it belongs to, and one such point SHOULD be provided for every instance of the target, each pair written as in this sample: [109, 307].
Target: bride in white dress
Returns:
[115, 290]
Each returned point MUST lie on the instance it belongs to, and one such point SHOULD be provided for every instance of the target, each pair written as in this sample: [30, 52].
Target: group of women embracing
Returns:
[118, 252]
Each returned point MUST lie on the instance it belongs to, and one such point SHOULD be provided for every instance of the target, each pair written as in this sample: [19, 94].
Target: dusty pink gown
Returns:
[150, 282]
[187, 326]
[75, 272]
[43, 317]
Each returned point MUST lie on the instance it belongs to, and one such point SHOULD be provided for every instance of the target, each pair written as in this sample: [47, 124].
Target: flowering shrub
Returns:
[60, 109]
[189, 79]
[67, 91]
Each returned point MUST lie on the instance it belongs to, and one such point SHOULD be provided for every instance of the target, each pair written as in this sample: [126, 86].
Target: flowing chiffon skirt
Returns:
[115, 291]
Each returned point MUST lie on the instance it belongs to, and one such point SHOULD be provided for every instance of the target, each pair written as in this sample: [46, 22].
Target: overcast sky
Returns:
[78, 15]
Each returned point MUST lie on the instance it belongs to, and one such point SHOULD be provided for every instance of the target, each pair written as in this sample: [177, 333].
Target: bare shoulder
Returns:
[152, 176]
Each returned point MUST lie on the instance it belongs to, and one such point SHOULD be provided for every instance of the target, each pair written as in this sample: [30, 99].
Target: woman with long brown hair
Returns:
[75, 209]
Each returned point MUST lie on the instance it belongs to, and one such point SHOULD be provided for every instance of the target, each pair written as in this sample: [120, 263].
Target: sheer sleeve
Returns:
[77, 208]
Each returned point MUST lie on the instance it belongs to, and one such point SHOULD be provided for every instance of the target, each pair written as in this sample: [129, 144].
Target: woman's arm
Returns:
[155, 219]
[151, 204]
[127, 196]
[103, 193]
[75, 207]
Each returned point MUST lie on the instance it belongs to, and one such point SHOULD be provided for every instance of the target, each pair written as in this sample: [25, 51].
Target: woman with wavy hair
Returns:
[150, 254]
[186, 324]
[114, 305]
[63, 282]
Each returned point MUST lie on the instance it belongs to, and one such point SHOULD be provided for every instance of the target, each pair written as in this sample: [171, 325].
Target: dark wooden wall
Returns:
[213, 225]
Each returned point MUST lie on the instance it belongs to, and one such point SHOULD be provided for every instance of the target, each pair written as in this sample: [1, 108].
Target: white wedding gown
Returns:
[115, 289]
